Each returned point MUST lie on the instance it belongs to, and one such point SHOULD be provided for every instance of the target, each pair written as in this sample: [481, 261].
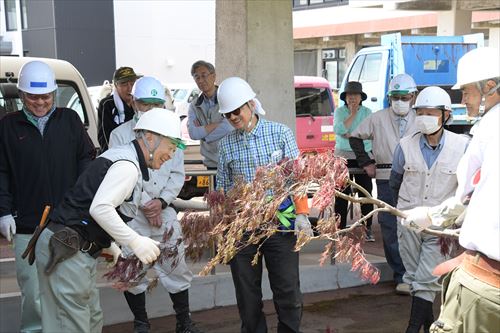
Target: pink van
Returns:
[314, 114]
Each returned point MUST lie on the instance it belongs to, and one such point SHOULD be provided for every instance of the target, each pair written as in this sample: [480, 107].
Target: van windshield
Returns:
[180, 93]
[312, 102]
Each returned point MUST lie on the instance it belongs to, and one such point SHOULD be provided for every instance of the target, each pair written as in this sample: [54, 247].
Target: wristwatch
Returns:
[164, 204]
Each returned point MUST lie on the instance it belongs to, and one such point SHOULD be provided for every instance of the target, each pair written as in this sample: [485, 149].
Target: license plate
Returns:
[328, 137]
[202, 181]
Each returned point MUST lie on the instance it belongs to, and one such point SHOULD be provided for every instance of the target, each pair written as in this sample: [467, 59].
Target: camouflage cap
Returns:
[124, 74]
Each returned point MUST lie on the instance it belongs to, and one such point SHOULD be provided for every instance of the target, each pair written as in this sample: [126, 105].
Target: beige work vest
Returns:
[383, 128]
[428, 187]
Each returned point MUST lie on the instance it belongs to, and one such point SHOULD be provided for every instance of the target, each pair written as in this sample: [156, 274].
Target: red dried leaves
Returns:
[246, 215]
[129, 271]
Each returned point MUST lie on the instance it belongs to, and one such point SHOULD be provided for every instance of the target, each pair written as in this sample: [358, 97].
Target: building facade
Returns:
[327, 34]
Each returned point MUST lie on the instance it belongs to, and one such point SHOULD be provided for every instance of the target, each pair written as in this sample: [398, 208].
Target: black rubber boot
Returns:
[419, 314]
[183, 317]
[137, 304]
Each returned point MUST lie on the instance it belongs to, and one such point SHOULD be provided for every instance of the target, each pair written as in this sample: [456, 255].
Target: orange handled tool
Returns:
[30, 249]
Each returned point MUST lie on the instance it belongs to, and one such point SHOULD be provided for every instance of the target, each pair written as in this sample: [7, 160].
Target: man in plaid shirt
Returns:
[254, 143]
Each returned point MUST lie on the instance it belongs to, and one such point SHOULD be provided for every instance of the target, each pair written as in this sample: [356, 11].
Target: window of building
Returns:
[24, 16]
[10, 15]
[334, 66]
[304, 4]
[305, 62]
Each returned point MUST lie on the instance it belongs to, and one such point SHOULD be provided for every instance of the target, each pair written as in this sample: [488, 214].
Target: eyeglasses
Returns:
[202, 76]
[404, 98]
[36, 97]
[235, 112]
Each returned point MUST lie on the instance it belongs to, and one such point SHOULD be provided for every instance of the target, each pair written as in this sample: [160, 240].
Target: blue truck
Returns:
[430, 60]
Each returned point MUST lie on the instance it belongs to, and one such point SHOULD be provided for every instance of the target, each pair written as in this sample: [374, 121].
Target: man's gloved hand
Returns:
[145, 249]
[7, 227]
[112, 251]
[417, 218]
[302, 224]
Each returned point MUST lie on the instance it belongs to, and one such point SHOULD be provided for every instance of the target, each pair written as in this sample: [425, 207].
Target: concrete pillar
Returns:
[254, 40]
[454, 22]
[494, 38]
[350, 51]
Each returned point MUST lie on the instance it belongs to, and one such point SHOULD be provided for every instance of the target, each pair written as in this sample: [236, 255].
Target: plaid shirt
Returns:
[240, 153]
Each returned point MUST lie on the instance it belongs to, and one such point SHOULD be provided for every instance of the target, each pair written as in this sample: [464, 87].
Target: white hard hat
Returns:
[233, 92]
[433, 98]
[163, 122]
[36, 77]
[477, 65]
[402, 84]
[147, 89]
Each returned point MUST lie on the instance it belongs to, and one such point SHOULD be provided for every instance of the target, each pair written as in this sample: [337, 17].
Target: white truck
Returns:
[430, 60]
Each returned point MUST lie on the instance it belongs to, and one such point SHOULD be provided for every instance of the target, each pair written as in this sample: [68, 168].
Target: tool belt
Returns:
[65, 243]
[482, 268]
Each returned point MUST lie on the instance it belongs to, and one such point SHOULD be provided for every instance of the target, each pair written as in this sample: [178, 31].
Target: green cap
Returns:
[398, 92]
[151, 100]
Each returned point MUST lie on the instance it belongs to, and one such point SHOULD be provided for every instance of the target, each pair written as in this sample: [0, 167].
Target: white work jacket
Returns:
[481, 228]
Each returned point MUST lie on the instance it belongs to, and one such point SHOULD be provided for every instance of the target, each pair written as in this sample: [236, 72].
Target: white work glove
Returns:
[417, 218]
[302, 224]
[112, 251]
[145, 249]
[7, 227]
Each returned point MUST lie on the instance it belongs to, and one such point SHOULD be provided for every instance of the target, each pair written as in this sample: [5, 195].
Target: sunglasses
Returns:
[235, 112]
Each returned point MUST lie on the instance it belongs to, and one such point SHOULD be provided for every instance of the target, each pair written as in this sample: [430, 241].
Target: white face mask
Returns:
[427, 124]
[401, 108]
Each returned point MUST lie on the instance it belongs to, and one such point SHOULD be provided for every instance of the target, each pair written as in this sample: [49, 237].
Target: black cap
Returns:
[353, 87]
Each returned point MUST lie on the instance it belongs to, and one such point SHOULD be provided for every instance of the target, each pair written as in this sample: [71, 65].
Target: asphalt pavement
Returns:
[369, 308]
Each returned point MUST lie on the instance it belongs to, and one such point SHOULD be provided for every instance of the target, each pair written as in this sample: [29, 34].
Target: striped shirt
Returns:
[240, 153]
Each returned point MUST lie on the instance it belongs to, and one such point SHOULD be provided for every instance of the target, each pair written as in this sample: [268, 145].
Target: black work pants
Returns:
[341, 204]
[282, 264]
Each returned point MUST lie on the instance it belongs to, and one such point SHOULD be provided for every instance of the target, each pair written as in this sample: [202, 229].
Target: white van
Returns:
[72, 90]
[183, 95]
